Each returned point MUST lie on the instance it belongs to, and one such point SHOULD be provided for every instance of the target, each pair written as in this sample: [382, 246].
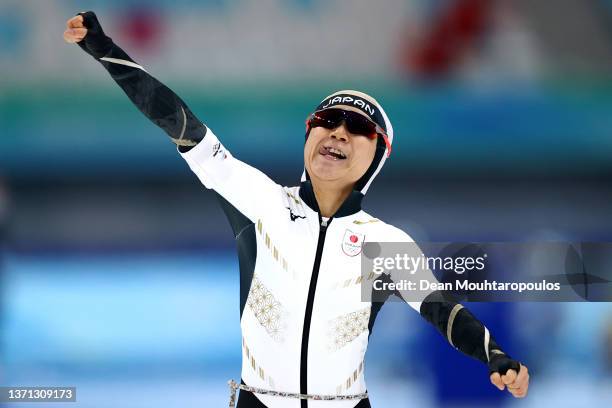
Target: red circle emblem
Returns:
[354, 238]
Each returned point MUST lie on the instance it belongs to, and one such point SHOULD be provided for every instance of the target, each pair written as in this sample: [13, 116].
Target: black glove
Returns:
[96, 43]
[501, 363]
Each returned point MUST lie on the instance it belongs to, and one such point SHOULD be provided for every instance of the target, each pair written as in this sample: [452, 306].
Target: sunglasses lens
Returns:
[328, 119]
[355, 123]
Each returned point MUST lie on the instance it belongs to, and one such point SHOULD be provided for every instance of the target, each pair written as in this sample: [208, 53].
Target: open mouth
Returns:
[332, 153]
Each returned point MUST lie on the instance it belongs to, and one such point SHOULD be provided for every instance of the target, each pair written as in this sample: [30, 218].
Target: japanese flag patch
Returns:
[352, 243]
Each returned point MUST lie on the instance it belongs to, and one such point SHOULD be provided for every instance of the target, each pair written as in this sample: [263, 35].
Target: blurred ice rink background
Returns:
[118, 272]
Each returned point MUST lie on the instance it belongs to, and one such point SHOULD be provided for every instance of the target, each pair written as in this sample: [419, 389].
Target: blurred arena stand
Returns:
[118, 268]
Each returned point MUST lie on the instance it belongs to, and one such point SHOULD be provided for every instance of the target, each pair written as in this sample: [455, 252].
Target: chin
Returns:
[326, 175]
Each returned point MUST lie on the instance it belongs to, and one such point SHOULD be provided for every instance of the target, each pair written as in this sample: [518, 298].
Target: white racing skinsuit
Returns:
[304, 325]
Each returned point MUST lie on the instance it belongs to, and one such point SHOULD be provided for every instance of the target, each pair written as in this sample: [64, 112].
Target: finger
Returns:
[75, 34]
[68, 37]
[509, 377]
[75, 22]
[522, 383]
[521, 392]
[524, 392]
[497, 381]
[72, 38]
[79, 32]
[523, 375]
[521, 379]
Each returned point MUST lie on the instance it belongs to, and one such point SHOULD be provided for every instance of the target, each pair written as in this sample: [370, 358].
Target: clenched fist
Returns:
[85, 30]
[75, 30]
[517, 383]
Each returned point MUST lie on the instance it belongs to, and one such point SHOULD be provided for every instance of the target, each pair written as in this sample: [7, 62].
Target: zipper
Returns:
[308, 314]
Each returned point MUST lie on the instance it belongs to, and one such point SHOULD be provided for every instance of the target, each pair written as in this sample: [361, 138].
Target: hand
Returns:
[517, 383]
[85, 30]
[75, 30]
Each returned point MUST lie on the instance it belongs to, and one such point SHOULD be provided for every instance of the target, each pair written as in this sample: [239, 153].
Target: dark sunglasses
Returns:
[355, 123]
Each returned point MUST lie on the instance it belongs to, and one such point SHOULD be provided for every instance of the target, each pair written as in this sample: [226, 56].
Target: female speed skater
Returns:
[304, 337]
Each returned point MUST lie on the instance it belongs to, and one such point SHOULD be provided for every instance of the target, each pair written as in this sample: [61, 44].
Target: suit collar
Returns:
[350, 206]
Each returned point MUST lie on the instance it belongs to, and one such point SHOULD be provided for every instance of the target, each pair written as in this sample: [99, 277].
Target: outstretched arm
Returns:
[467, 334]
[216, 168]
[460, 327]
[154, 99]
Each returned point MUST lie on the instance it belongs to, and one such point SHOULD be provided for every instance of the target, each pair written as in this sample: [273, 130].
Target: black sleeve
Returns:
[465, 332]
[155, 100]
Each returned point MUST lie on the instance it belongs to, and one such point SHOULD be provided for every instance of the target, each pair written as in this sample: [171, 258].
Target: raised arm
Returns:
[154, 99]
[216, 168]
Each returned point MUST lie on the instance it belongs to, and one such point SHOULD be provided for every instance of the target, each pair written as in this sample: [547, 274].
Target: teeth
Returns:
[336, 151]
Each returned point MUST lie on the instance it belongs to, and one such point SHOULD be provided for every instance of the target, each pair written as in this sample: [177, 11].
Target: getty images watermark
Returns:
[546, 271]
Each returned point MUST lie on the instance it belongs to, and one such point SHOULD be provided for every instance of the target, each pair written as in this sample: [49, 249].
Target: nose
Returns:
[340, 133]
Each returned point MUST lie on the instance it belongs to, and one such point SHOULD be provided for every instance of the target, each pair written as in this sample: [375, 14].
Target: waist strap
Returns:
[235, 386]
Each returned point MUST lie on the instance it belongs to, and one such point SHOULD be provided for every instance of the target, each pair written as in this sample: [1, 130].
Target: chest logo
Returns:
[352, 243]
[294, 216]
[218, 150]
